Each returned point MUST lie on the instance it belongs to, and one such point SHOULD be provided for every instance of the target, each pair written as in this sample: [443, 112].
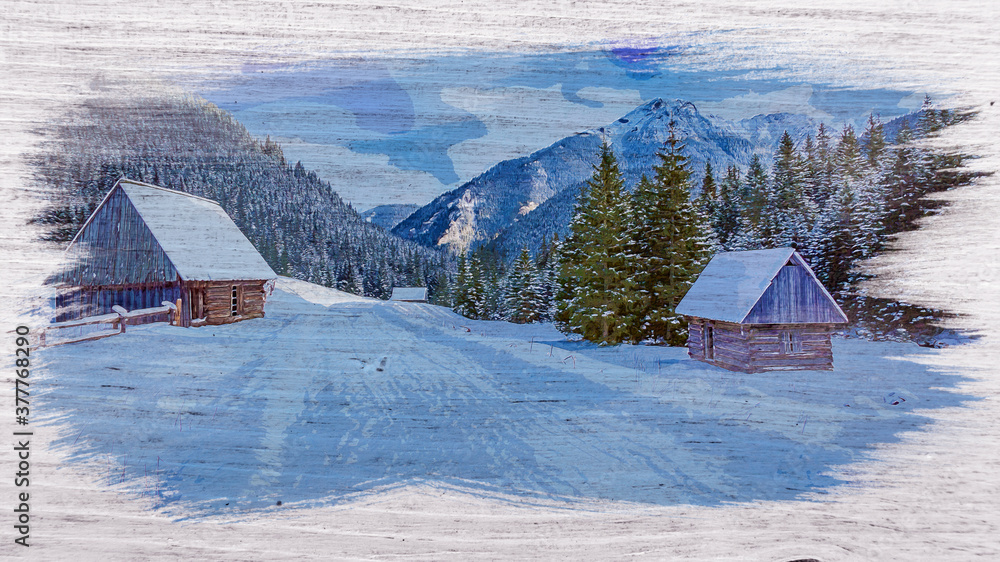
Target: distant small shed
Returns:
[409, 294]
[145, 244]
[761, 310]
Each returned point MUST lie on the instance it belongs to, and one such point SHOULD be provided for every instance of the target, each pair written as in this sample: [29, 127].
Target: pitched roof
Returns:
[200, 239]
[734, 282]
[409, 294]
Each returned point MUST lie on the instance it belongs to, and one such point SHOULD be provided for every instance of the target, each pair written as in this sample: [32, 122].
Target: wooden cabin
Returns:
[409, 294]
[145, 244]
[761, 310]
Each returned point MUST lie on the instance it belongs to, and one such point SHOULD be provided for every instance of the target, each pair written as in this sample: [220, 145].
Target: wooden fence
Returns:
[118, 320]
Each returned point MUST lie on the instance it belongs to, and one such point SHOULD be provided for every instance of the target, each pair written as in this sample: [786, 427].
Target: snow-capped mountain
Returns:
[539, 189]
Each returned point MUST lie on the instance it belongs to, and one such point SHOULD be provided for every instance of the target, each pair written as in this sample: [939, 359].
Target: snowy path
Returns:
[316, 404]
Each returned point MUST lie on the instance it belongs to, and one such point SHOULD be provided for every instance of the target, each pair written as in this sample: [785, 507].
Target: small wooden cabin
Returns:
[409, 294]
[761, 310]
[145, 244]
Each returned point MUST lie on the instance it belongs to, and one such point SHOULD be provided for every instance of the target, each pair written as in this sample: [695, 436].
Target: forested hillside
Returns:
[538, 190]
[836, 197]
[297, 221]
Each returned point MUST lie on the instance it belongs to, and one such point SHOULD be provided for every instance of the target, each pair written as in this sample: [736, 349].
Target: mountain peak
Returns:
[659, 105]
[660, 109]
[494, 203]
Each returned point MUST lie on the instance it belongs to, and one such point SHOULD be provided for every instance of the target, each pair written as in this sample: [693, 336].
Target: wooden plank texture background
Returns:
[932, 496]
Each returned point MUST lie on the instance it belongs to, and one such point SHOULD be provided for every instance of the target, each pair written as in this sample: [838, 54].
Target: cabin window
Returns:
[790, 342]
[709, 342]
[236, 300]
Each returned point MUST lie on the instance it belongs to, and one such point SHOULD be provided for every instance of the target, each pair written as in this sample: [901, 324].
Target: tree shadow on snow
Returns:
[221, 420]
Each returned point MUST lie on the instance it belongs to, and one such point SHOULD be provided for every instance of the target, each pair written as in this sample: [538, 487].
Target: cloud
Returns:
[912, 102]
[790, 100]
[521, 120]
[425, 149]
[364, 180]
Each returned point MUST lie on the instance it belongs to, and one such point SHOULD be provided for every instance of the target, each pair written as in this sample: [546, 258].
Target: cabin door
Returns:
[197, 300]
[709, 342]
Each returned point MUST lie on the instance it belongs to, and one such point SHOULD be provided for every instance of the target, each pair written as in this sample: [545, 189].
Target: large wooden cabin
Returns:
[145, 244]
[761, 310]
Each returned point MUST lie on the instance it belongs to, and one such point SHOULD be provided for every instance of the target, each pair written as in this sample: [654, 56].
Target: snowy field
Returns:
[334, 404]
[317, 405]
[911, 481]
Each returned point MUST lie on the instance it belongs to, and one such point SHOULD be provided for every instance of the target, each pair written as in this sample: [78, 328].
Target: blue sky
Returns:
[405, 129]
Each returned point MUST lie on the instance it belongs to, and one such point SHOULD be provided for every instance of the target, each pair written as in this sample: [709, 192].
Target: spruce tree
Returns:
[523, 291]
[902, 184]
[810, 168]
[708, 197]
[478, 288]
[465, 295]
[929, 121]
[726, 222]
[850, 163]
[875, 149]
[547, 266]
[670, 246]
[754, 198]
[790, 209]
[826, 168]
[708, 203]
[595, 286]
[835, 240]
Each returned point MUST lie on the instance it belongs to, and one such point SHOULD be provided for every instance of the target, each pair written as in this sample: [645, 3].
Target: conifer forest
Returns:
[837, 197]
[629, 255]
[297, 222]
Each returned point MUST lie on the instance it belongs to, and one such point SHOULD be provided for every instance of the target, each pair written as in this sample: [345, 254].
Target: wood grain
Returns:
[931, 496]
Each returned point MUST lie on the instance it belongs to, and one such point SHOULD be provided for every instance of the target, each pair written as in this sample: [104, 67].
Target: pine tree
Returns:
[523, 291]
[929, 119]
[708, 197]
[875, 149]
[547, 266]
[441, 289]
[902, 184]
[826, 168]
[810, 168]
[870, 212]
[726, 223]
[835, 240]
[595, 287]
[490, 289]
[754, 198]
[463, 293]
[790, 210]
[478, 305]
[708, 203]
[670, 247]
[850, 163]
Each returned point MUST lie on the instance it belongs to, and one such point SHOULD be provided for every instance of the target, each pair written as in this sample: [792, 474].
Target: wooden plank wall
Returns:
[767, 350]
[696, 339]
[89, 301]
[79, 302]
[793, 297]
[759, 347]
[731, 347]
[218, 300]
[116, 248]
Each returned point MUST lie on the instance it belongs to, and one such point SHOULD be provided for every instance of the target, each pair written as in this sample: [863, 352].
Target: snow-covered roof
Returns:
[734, 282]
[409, 294]
[200, 239]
